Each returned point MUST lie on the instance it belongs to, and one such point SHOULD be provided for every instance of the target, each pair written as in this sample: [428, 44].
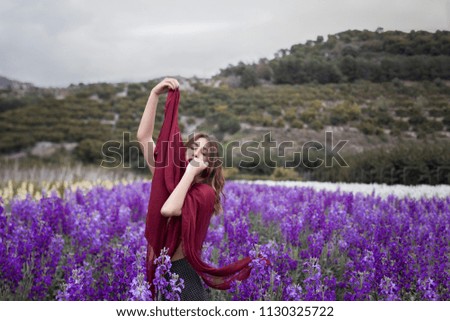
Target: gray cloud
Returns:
[55, 43]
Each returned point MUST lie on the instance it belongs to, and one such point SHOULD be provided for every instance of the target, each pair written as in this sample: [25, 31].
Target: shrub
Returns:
[408, 163]
[429, 126]
[316, 125]
[344, 112]
[228, 123]
[367, 127]
[400, 125]
[402, 112]
[281, 173]
[89, 151]
[439, 111]
[308, 115]
[416, 119]
[296, 123]
[290, 113]
[230, 172]
[279, 123]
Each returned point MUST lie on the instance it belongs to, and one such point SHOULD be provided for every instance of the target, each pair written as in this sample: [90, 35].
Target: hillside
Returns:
[71, 124]
[350, 56]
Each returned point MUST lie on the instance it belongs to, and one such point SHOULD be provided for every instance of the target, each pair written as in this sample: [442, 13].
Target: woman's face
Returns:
[197, 149]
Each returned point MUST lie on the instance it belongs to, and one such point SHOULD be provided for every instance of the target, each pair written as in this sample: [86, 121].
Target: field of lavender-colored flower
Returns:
[324, 244]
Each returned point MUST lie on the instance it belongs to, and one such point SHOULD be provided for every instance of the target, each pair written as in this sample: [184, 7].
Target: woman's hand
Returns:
[165, 85]
[196, 166]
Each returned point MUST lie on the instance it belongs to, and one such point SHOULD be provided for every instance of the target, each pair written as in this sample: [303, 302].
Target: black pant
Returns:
[194, 290]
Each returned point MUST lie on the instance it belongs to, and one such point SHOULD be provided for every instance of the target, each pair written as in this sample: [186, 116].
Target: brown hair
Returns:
[213, 174]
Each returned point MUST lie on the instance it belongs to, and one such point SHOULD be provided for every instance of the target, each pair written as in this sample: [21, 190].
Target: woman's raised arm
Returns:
[147, 124]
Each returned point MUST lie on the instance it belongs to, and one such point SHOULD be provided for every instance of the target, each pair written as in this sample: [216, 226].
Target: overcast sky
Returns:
[56, 43]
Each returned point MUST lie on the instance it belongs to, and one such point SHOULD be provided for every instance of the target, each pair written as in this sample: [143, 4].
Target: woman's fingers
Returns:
[172, 83]
[197, 162]
[166, 84]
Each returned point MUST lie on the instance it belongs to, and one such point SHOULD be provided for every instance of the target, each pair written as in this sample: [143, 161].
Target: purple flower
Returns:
[428, 288]
[167, 284]
[388, 290]
[140, 289]
[322, 245]
[293, 293]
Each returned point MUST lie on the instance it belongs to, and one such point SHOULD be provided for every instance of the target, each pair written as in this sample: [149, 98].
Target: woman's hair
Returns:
[213, 174]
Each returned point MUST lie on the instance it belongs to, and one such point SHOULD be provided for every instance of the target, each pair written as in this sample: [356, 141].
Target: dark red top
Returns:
[192, 225]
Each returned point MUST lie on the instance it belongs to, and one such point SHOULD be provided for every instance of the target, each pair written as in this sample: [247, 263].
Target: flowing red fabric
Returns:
[192, 225]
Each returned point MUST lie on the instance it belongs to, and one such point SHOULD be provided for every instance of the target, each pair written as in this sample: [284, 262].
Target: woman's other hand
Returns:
[165, 85]
[196, 166]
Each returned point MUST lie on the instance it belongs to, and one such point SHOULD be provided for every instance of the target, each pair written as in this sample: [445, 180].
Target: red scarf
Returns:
[192, 225]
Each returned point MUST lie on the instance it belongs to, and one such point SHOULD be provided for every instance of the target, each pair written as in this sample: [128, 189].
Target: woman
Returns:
[186, 186]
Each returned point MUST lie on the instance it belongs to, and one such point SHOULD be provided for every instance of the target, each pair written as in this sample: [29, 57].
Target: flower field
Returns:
[88, 244]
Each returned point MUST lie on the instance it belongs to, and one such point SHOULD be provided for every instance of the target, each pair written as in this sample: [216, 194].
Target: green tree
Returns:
[249, 78]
